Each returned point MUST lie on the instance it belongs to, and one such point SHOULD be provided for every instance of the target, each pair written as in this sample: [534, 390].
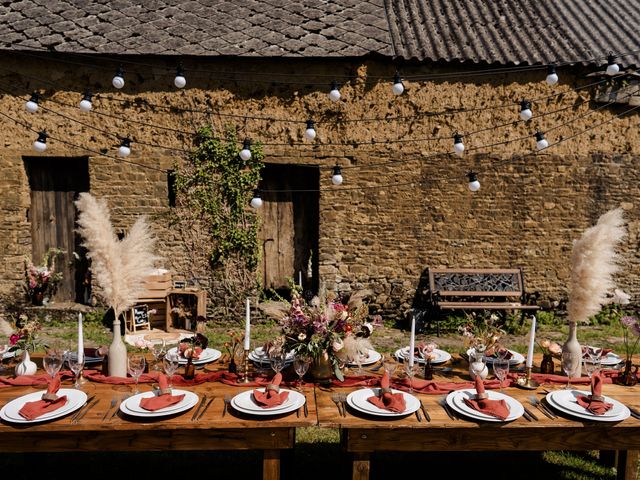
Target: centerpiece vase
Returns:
[629, 374]
[117, 352]
[37, 297]
[573, 347]
[320, 368]
[26, 365]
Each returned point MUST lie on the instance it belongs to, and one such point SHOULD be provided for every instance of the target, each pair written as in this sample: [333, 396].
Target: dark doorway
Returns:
[55, 183]
[290, 227]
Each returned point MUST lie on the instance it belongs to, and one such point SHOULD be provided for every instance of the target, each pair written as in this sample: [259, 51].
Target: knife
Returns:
[83, 412]
[418, 416]
[306, 408]
[530, 413]
[205, 408]
[77, 414]
[195, 414]
[424, 410]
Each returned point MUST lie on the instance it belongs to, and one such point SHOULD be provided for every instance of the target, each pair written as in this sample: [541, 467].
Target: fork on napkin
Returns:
[595, 403]
[481, 402]
[50, 402]
[387, 400]
[163, 399]
[272, 396]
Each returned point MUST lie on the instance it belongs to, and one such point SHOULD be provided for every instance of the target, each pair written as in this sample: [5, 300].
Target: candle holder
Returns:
[245, 367]
[527, 382]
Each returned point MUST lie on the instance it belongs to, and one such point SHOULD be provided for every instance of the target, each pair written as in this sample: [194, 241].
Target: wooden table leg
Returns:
[608, 458]
[271, 465]
[361, 466]
[628, 464]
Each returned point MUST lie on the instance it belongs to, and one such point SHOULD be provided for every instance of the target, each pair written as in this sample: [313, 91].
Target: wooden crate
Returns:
[157, 286]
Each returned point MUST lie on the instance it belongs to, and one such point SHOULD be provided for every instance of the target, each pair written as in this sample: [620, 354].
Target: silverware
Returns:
[424, 410]
[227, 401]
[89, 400]
[530, 413]
[336, 399]
[343, 401]
[111, 405]
[542, 407]
[205, 408]
[195, 414]
[306, 408]
[418, 416]
[88, 407]
[445, 407]
[115, 412]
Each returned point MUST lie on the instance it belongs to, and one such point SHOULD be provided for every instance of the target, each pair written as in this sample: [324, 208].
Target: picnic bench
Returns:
[477, 289]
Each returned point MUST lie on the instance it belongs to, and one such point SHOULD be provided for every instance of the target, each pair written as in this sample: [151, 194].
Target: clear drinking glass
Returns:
[389, 365]
[76, 364]
[171, 362]
[136, 364]
[158, 349]
[277, 359]
[301, 365]
[501, 370]
[52, 362]
[410, 370]
[570, 363]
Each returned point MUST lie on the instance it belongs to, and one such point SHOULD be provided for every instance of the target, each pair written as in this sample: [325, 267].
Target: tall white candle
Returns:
[300, 278]
[412, 340]
[80, 339]
[247, 326]
[532, 338]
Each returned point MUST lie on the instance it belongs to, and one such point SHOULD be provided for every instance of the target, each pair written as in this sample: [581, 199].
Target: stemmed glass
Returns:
[570, 362]
[410, 370]
[501, 370]
[52, 362]
[301, 365]
[76, 364]
[171, 362]
[277, 360]
[158, 349]
[136, 364]
[389, 365]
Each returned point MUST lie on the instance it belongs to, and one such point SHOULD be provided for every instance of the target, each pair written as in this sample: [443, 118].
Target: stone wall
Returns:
[404, 205]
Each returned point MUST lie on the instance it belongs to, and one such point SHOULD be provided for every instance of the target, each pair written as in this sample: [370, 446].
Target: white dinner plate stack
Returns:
[260, 356]
[456, 401]
[131, 406]
[369, 359]
[516, 358]
[358, 401]
[75, 400]
[566, 402]
[244, 402]
[206, 356]
[441, 356]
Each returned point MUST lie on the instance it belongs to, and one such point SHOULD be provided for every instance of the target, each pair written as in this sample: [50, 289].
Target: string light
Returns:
[334, 94]
[541, 142]
[336, 178]
[310, 132]
[85, 103]
[474, 184]
[552, 76]
[398, 86]
[125, 148]
[32, 104]
[256, 201]
[525, 110]
[40, 145]
[245, 153]
[612, 66]
[180, 81]
[118, 78]
[458, 146]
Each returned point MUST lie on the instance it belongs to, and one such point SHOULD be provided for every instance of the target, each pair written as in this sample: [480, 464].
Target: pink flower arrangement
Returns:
[42, 278]
[630, 326]
[25, 337]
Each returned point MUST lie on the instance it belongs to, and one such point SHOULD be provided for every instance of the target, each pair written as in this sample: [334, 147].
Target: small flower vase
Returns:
[233, 368]
[320, 368]
[37, 297]
[26, 365]
[629, 375]
[477, 365]
[573, 347]
[547, 366]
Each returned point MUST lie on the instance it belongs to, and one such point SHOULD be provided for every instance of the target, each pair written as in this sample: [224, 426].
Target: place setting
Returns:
[201, 356]
[383, 401]
[159, 402]
[261, 356]
[270, 400]
[436, 355]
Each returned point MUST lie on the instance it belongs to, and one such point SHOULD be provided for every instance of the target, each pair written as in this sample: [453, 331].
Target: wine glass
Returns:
[76, 364]
[52, 362]
[389, 365]
[410, 370]
[136, 364]
[501, 370]
[158, 350]
[301, 365]
[277, 360]
[570, 362]
[591, 365]
[171, 362]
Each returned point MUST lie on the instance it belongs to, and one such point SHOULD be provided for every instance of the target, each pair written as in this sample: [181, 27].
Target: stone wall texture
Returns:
[404, 205]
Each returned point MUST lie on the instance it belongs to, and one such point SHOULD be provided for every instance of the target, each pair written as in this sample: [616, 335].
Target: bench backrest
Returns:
[476, 282]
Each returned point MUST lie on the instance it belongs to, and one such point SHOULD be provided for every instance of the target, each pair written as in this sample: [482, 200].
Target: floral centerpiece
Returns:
[42, 279]
[630, 329]
[25, 338]
[482, 333]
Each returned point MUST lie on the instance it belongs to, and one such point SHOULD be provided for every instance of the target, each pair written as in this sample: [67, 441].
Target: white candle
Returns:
[247, 326]
[532, 338]
[300, 278]
[412, 340]
[80, 339]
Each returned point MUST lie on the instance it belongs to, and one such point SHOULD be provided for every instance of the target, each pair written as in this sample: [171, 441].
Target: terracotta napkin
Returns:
[50, 402]
[495, 408]
[595, 402]
[272, 396]
[163, 399]
[386, 400]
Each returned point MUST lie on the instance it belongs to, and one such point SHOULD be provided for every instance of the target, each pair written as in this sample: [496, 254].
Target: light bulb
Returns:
[612, 66]
[256, 201]
[541, 142]
[118, 79]
[474, 184]
[85, 103]
[32, 103]
[125, 148]
[40, 145]
[398, 86]
[552, 76]
[336, 178]
[245, 153]
[180, 81]
[458, 146]
[310, 132]
[525, 110]
[334, 94]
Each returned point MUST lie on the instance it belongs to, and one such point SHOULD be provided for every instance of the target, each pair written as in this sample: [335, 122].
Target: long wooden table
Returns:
[363, 435]
[234, 431]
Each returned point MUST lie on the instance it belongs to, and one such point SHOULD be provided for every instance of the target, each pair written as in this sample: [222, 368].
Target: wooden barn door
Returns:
[55, 184]
[289, 230]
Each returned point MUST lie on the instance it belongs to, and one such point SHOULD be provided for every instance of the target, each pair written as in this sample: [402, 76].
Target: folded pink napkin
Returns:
[595, 402]
[495, 408]
[272, 396]
[50, 402]
[394, 402]
[163, 399]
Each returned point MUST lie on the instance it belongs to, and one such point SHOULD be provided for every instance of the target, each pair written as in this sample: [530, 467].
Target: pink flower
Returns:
[629, 321]
[13, 339]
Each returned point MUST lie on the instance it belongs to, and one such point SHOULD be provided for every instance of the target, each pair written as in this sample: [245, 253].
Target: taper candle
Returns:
[412, 340]
[247, 326]
[532, 339]
[80, 339]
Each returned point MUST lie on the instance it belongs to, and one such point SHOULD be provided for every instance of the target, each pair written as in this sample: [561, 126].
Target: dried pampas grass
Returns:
[594, 261]
[119, 267]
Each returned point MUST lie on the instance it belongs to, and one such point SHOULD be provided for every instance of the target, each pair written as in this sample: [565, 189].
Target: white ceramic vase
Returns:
[26, 365]
[117, 353]
[477, 364]
[572, 346]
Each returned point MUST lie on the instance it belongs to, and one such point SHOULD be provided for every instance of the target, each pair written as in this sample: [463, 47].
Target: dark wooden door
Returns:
[289, 229]
[55, 184]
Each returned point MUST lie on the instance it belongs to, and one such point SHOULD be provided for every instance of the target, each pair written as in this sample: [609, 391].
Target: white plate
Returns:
[259, 352]
[75, 399]
[243, 402]
[516, 359]
[206, 356]
[6, 355]
[565, 401]
[609, 359]
[189, 400]
[372, 357]
[358, 401]
[441, 356]
[456, 401]
[133, 403]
